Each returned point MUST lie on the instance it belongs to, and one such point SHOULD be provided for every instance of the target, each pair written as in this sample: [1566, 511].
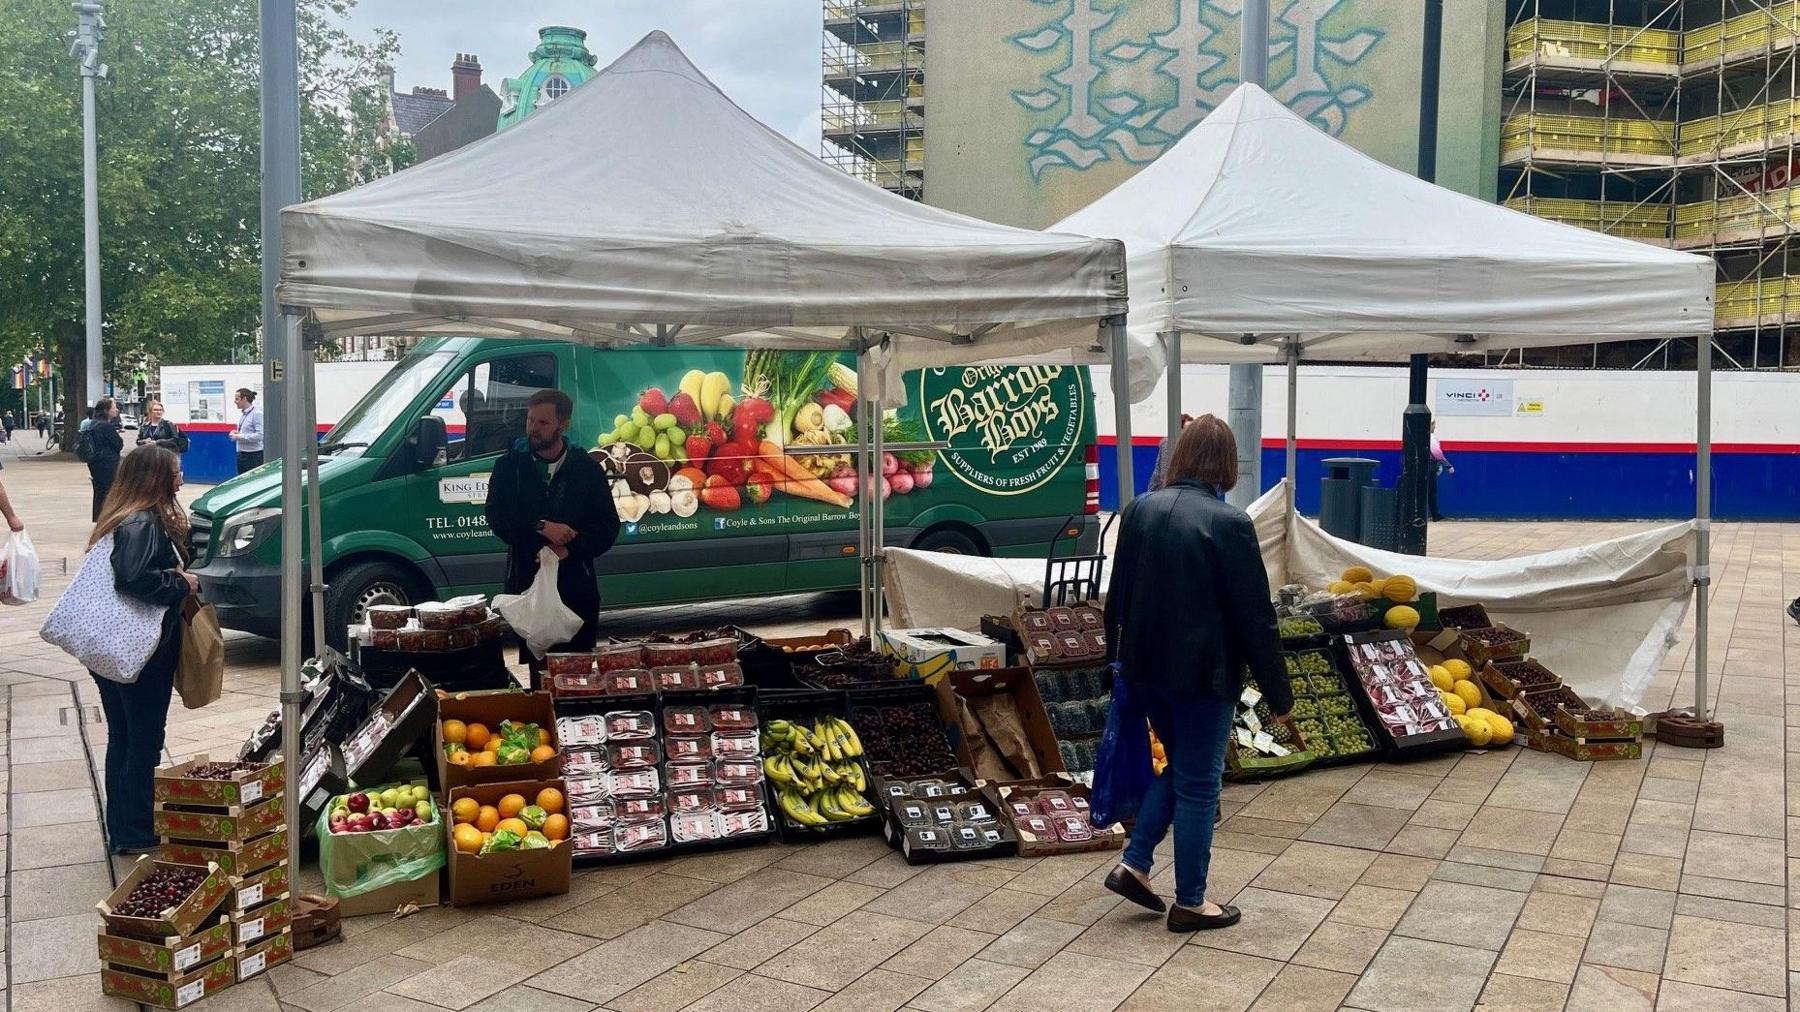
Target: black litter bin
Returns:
[1340, 504]
[1379, 524]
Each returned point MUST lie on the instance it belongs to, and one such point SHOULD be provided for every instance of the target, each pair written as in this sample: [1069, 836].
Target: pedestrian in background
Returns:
[100, 445]
[9, 423]
[1440, 464]
[249, 432]
[159, 430]
[1159, 474]
[1188, 609]
[150, 532]
[43, 424]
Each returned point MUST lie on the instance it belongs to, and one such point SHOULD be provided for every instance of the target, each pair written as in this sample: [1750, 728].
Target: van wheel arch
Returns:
[373, 578]
[954, 538]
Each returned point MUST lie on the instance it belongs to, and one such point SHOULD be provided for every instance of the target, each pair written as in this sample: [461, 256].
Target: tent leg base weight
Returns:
[1680, 729]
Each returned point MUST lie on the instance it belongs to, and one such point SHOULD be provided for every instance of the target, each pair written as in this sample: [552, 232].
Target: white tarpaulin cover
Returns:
[646, 199]
[1258, 223]
[1603, 615]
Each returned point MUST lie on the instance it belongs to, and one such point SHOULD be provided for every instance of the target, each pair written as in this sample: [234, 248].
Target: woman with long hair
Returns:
[1187, 610]
[149, 532]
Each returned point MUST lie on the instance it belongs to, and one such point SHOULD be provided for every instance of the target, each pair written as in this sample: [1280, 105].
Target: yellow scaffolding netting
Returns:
[1621, 136]
[1614, 217]
[1580, 40]
[1773, 25]
[1755, 300]
[1745, 213]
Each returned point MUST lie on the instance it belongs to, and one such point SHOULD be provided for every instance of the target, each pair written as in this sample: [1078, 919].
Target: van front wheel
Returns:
[948, 540]
[358, 587]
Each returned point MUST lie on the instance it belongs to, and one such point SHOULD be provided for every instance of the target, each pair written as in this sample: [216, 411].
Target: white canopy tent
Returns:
[645, 208]
[1260, 238]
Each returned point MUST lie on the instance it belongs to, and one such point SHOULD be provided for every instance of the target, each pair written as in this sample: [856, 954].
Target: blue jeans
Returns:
[1194, 731]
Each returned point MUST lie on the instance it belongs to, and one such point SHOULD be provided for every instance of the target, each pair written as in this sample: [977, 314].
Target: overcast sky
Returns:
[763, 53]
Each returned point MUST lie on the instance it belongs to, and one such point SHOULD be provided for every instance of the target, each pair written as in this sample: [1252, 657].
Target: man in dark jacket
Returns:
[159, 430]
[545, 492]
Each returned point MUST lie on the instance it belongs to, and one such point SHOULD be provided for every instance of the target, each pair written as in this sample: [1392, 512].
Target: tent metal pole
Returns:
[1702, 518]
[877, 501]
[1293, 423]
[1121, 391]
[864, 486]
[292, 654]
[1244, 415]
[1172, 352]
[315, 542]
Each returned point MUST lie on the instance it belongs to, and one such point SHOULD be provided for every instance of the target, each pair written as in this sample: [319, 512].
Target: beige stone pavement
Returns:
[1504, 880]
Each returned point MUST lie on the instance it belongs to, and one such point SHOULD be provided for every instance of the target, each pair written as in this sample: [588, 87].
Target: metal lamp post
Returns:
[90, 28]
[1415, 424]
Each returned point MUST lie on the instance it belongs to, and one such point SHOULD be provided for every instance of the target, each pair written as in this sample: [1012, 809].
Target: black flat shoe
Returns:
[146, 848]
[1129, 886]
[1186, 920]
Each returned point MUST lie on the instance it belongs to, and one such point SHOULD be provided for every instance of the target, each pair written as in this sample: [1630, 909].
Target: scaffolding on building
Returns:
[1673, 122]
[872, 109]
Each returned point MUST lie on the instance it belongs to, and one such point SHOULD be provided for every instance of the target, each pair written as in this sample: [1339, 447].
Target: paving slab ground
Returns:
[1505, 880]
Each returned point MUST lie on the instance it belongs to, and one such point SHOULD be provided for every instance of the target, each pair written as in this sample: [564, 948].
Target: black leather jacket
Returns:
[1188, 604]
[146, 566]
[579, 495]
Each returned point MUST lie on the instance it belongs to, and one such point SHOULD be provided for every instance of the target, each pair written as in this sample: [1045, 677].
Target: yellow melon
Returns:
[1400, 589]
[1455, 703]
[1459, 669]
[1479, 731]
[1440, 677]
[1471, 696]
[1378, 587]
[1402, 617]
[1341, 587]
[1357, 574]
[1480, 711]
[1502, 729]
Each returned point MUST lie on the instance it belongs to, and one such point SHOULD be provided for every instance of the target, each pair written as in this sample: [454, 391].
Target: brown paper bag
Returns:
[201, 677]
[999, 716]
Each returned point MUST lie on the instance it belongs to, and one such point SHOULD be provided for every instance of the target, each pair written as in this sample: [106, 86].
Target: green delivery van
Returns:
[403, 475]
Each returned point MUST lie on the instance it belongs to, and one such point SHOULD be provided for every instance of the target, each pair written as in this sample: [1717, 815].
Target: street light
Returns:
[90, 28]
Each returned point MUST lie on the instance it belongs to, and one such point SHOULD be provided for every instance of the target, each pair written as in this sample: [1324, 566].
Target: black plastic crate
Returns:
[800, 706]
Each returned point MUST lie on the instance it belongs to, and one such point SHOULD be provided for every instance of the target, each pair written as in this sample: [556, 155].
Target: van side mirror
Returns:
[431, 441]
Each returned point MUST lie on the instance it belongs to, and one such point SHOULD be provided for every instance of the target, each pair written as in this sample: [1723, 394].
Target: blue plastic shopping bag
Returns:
[1122, 770]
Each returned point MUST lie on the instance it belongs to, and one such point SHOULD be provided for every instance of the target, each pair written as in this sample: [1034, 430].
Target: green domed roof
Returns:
[560, 62]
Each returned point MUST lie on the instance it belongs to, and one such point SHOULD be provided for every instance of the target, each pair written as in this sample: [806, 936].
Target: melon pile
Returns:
[1399, 588]
[1455, 683]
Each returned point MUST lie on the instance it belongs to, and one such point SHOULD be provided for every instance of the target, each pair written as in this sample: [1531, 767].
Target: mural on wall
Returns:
[1113, 91]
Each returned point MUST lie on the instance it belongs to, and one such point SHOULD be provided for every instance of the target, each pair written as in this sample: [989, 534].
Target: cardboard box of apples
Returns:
[372, 839]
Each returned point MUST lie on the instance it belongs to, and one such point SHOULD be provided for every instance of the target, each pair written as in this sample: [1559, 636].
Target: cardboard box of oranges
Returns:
[508, 841]
[485, 738]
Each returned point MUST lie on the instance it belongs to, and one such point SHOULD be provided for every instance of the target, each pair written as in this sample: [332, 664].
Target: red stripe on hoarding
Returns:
[1499, 446]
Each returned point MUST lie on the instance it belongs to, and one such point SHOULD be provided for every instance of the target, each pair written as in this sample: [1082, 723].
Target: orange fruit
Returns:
[541, 753]
[482, 758]
[455, 731]
[476, 736]
[511, 805]
[461, 757]
[493, 744]
[465, 809]
[517, 826]
[556, 827]
[550, 800]
[543, 736]
[486, 818]
[468, 838]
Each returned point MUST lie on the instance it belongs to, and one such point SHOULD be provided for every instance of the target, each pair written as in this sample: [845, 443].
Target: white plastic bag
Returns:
[18, 570]
[539, 615]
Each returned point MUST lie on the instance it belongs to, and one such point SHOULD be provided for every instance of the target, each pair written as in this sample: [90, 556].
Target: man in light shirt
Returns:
[249, 433]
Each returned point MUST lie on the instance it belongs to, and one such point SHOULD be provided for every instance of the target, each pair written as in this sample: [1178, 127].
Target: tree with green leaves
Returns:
[179, 172]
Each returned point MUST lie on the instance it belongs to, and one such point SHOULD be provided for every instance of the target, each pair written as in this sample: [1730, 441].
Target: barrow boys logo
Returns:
[1009, 429]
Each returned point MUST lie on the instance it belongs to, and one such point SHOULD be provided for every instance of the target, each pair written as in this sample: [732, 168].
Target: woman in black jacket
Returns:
[1187, 610]
[104, 445]
[149, 529]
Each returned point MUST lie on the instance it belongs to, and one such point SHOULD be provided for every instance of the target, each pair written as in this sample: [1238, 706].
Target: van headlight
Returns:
[242, 534]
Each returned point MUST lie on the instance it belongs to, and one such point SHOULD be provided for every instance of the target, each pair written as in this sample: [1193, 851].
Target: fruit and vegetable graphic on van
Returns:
[734, 474]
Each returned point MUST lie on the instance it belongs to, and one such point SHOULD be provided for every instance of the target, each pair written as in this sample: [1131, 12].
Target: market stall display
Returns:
[670, 772]
[509, 863]
[381, 848]
[946, 817]
[484, 737]
[1050, 816]
[166, 939]
[1077, 700]
[899, 731]
[1262, 745]
[1410, 713]
[1325, 713]
[816, 772]
[455, 644]
[998, 724]
[1063, 636]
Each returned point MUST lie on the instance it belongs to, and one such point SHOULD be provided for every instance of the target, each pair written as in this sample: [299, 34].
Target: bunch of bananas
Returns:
[814, 771]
